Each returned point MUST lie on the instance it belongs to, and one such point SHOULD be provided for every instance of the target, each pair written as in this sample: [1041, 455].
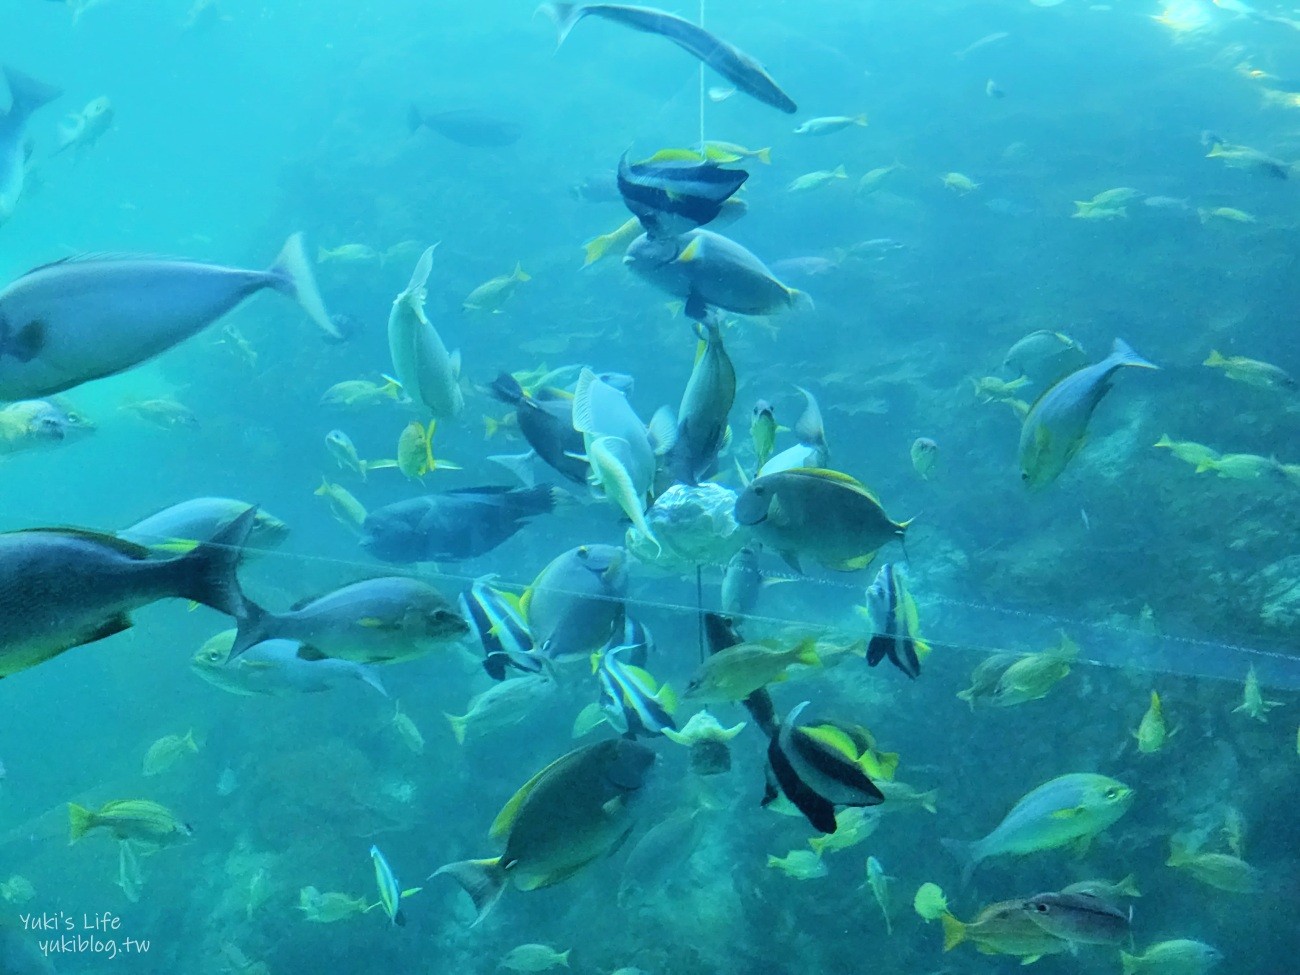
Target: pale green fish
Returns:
[610, 459]
[1240, 467]
[811, 450]
[1253, 703]
[930, 902]
[1189, 451]
[816, 180]
[503, 704]
[1044, 356]
[925, 454]
[1180, 957]
[382, 620]
[182, 527]
[346, 509]
[1252, 372]
[1152, 732]
[985, 677]
[356, 393]
[762, 432]
[901, 797]
[344, 452]
[853, 825]
[702, 429]
[879, 884]
[1219, 870]
[430, 376]
[348, 254]
[735, 672]
[1057, 424]
[1031, 678]
[128, 819]
[534, 958]
[1003, 928]
[1069, 809]
[799, 865]
[167, 751]
[407, 730]
[326, 908]
[570, 814]
[821, 514]
[576, 602]
[17, 890]
[491, 295]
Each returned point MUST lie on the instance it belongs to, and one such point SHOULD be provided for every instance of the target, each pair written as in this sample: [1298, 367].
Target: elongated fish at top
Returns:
[729, 61]
[26, 95]
[80, 319]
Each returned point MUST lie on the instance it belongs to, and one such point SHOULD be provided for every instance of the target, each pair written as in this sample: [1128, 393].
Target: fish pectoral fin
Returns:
[792, 560]
[1030, 959]
[1070, 813]
[27, 343]
[110, 627]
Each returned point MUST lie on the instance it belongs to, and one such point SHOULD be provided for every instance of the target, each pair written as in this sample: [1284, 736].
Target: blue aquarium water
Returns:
[752, 488]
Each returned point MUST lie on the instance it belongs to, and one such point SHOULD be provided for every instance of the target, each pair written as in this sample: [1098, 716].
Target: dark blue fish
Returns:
[727, 60]
[467, 127]
[453, 525]
[671, 193]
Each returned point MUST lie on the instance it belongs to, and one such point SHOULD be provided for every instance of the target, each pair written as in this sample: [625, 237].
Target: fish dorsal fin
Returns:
[831, 737]
[839, 477]
[583, 421]
[691, 251]
[506, 818]
[120, 545]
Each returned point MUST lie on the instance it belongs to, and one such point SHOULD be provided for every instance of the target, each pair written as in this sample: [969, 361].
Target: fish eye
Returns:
[1042, 908]
[1024, 475]
[583, 551]
[1112, 793]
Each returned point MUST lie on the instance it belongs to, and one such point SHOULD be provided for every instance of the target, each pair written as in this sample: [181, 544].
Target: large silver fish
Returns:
[429, 374]
[75, 320]
[702, 418]
[726, 59]
[707, 269]
[26, 95]
[65, 587]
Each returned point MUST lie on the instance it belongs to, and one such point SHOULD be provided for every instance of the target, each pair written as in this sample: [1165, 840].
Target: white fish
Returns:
[429, 375]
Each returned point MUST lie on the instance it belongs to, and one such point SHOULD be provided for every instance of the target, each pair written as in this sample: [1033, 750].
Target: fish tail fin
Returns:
[294, 276]
[1164, 441]
[596, 248]
[929, 801]
[253, 627]
[764, 155]
[801, 300]
[483, 880]
[840, 172]
[368, 676]
[954, 931]
[807, 653]
[1215, 359]
[207, 574]
[1130, 964]
[662, 431]
[458, 724]
[189, 742]
[27, 94]
[80, 821]
[520, 465]
[519, 274]
[506, 388]
[860, 119]
[1122, 354]
[563, 16]
[965, 854]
